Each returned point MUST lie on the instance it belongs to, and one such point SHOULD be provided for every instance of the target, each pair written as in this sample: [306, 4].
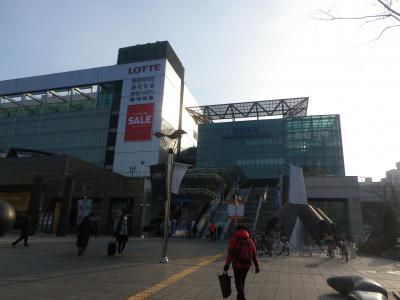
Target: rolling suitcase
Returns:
[112, 248]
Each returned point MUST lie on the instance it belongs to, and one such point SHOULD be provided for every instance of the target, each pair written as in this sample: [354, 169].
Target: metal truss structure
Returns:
[291, 107]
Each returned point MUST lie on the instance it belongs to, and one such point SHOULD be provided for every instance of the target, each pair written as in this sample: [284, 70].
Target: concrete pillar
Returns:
[35, 200]
[65, 207]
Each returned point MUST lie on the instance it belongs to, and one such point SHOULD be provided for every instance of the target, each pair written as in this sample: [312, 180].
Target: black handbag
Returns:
[225, 283]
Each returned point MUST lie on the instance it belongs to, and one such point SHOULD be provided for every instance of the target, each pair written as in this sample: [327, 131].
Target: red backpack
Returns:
[243, 253]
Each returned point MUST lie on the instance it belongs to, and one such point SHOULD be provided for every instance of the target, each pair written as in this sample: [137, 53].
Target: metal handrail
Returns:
[260, 200]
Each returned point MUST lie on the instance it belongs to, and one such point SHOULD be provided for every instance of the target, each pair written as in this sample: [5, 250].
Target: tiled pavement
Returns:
[50, 269]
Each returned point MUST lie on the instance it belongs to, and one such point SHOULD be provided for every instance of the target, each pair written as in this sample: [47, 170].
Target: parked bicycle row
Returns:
[277, 243]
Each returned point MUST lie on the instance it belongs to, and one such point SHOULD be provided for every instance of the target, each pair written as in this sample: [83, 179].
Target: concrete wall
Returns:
[339, 187]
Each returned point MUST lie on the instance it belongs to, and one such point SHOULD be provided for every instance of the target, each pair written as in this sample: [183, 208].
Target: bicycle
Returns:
[261, 244]
[305, 251]
[258, 245]
[280, 244]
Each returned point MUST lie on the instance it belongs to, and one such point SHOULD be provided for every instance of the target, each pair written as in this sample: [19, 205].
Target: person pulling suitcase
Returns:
[112, 247]
[121, 233]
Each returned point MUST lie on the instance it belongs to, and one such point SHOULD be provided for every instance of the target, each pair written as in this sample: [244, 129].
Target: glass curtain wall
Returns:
[266, 148]
[315, 143]
[76, 128]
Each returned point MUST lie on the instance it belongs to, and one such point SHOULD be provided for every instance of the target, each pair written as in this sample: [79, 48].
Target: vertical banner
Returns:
[236, 208]
[177, 175]
[84, 209]
[231, 209]
[139, 121]
[158, 176]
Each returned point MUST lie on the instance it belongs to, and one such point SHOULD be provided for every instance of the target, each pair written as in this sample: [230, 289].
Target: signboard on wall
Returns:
[84, 209]
[158, 175]
[139, 121]
[236, 208]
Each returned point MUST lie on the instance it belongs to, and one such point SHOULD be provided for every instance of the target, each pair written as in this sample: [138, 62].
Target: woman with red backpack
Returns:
[241, 253]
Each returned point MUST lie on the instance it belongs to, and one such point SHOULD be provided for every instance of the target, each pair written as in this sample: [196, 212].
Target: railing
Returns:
[260, 201]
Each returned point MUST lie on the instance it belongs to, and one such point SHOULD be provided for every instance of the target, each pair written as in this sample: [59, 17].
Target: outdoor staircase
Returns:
[267, 209]
[220, 216]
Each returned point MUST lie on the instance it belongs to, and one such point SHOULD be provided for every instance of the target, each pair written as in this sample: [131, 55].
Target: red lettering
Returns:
[143, 69]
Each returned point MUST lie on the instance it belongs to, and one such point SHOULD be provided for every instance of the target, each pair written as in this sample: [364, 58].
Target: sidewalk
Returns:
[51, 269]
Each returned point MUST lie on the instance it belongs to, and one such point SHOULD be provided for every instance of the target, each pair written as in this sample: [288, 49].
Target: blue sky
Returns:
[232, 51]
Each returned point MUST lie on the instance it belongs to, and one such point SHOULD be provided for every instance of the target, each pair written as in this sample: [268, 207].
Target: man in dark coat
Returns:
[84, 231]
[219, 231]
[24, 232]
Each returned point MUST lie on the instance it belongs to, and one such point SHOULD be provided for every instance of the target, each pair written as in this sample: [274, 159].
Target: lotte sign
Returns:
[139, 120]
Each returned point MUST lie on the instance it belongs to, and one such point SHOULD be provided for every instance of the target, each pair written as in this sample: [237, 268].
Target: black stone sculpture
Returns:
[362, 295]
[7, 217]
[369, 285]
[343, 284]
[348, 285]
[315, 224]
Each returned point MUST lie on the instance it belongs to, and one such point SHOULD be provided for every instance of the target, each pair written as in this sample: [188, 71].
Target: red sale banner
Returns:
[139, 120]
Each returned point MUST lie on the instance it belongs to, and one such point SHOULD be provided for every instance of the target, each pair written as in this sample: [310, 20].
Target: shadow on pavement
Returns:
[325, 262]
[331, 296]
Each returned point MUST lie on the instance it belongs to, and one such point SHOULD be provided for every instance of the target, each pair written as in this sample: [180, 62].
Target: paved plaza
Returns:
[51, 269]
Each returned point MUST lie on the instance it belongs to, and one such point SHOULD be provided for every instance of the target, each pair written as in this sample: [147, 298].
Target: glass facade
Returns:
[78, 128]
[265, 148]
[336, 210]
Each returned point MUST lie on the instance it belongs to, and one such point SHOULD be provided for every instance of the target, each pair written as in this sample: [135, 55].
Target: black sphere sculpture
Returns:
[7, 217]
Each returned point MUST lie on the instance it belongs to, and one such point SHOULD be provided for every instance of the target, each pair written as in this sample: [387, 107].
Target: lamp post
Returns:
[143, 204]
[173, 136]
[236, 211]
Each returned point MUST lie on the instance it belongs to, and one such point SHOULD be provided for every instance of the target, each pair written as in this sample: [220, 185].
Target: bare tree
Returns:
[386, 11]
[388, 191]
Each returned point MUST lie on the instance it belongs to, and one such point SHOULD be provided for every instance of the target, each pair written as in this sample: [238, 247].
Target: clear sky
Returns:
[232, 51]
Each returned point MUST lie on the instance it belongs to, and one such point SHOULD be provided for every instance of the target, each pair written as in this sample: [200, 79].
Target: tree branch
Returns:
[382, 32]
[389, 7]
[332, 17]
[388, 12]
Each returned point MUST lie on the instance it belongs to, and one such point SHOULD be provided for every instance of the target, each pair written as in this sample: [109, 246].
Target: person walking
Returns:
[212, 228]
[219, 231]
[191, 228]
[330, 242]
[194, 229]
[24, 232]
[121, 233]
[241, 253]
[85, 229]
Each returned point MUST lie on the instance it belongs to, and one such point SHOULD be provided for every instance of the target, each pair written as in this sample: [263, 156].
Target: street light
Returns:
[143, 204]
[173, 136]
